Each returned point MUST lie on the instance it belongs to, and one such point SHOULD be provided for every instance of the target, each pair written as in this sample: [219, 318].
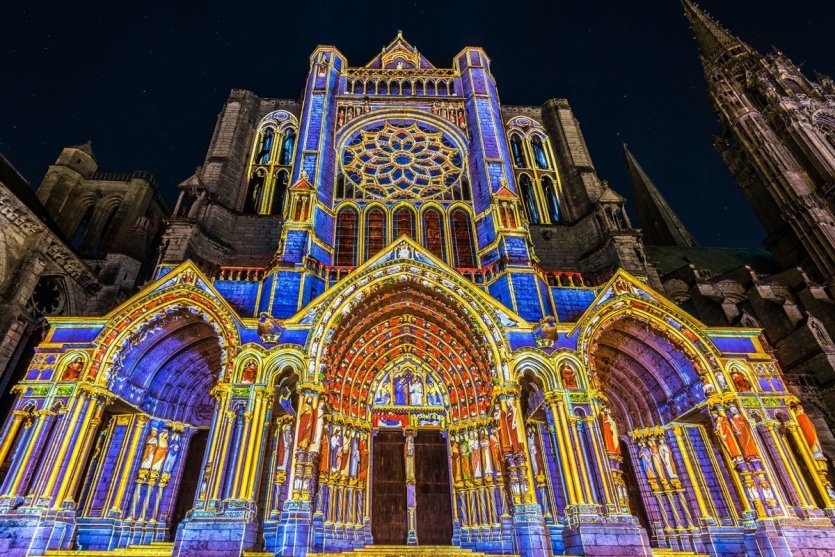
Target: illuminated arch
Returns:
[434, 230]
[456, 310]
[245, 355]
[378, 117]
[68, 359]
[127, 319]
[537, 363]
[734, 367]
[279, 359]
[645, 356]
[400, 225]
[376, 229]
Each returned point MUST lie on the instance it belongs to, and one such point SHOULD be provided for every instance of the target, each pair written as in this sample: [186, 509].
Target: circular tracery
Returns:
[402, 161]
[406, 323]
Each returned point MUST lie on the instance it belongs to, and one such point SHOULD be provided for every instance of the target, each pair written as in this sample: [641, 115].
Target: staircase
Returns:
[154, 549]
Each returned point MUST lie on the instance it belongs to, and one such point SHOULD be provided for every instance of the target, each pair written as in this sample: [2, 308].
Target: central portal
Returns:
[389, 495]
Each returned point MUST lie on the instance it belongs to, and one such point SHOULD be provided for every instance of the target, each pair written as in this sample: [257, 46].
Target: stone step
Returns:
[407, 551]
[154, 549]
[662, 552]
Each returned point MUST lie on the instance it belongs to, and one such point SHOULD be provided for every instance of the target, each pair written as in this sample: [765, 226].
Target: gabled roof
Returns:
[399, 54]
[624, 283]
[611, 196]
[302, 184]
[86, 147]
[505, 192]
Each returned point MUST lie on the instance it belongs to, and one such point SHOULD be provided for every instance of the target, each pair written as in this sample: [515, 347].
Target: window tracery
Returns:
[536, 176]
[402, 160]
[271, 163]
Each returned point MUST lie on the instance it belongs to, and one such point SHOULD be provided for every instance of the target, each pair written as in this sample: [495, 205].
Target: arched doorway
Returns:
[652, 431]
[408, 378]
[145, 470]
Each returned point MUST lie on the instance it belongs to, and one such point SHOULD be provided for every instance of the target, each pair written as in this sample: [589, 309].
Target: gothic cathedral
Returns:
[349, 341]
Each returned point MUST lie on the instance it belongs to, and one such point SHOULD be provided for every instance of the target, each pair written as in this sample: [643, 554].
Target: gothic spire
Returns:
[712, 37]
[661, 225]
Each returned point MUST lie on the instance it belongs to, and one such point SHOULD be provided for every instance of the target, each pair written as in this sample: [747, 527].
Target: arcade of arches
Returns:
[410, 416]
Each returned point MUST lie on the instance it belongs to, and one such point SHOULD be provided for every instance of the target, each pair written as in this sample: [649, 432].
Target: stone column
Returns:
[84, 413]
[528, 522]
[10, 434]
[411, 502]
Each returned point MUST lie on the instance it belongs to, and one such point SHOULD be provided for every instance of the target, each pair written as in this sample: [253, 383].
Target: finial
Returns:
[399, 34]
[304, 175]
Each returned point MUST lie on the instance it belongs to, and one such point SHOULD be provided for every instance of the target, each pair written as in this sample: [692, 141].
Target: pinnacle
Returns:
[712, 37]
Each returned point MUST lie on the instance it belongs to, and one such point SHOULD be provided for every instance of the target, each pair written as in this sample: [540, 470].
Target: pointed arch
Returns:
[463, 241]
[434, 235]
[517, 149]
[539, 155]
[266, 139]
[403, 222]
[288, 145]
[551, 200]
[376, 237]
[528, 198]
[347, 228]
[139, 311]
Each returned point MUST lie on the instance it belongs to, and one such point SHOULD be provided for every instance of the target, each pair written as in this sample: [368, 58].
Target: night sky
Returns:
[146, 83]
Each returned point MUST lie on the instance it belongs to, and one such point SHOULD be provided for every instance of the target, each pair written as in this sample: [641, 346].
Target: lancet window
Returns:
[375, 231]
[433, 233]
[404, 223]
[359, 235]
[462, 238]
[536, 176]
[551, 200]
[346, 237]
[528, 199]
[271, 164]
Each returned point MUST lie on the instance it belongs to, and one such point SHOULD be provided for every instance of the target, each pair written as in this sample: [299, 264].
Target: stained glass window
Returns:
[433, 233]
[404, 223]
[402, 161]
[255, 191]
[375, 232]
[346, 237]
[550, 194]
[539, 153]
[266, 147]
[462, 236]
[281, 182]
[526, 191]
[518, 151]
[287, 147]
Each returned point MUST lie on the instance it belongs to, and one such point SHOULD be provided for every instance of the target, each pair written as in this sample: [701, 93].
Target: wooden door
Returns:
[388, 489]
[433, 490]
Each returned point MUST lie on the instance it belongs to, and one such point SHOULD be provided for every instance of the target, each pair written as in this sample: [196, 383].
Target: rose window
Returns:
[402, 161]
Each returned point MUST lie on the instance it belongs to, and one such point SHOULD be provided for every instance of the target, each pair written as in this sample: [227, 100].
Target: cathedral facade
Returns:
[352, 338]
